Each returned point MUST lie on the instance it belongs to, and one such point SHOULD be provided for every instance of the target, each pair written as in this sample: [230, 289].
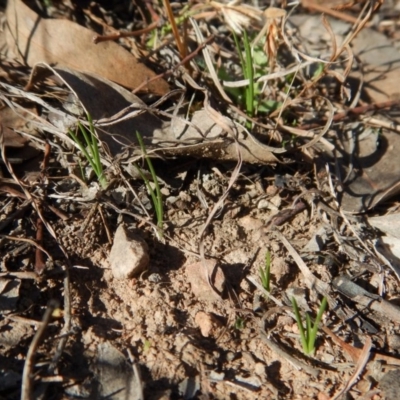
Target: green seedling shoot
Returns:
[155, 193]
[265, 272]
[308, 335]
[90, 149]
[248, 72]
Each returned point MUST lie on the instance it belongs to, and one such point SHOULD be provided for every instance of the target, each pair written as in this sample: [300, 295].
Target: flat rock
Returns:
[129, 254]
[199, 283]
[114, 375]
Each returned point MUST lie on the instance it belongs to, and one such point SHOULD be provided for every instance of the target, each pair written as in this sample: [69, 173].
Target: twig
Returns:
[137, 376]
[182, 62]
[103, 38]
[310, 279]
[362, 361]
[356, 112]
[285, 215]
[67, 293]
[296, 363]
[67, 320]
[26, 240]
[40, 263]
[313, 5]
[366, 299]
[27, 375]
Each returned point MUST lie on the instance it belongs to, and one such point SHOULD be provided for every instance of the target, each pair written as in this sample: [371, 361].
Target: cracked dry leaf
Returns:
[238, 16]
[33, 39]
[342, 4]
[118, 114]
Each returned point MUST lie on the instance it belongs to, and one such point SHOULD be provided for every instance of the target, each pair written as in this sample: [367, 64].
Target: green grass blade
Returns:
[242, 61]
[147, 183]
[249, 74]
[81, 147]
[265, 272]
[321, 310]
[94, 145]
[300, 325]
[268, 270]
[155, 195]
[93, 155]
[309, 339]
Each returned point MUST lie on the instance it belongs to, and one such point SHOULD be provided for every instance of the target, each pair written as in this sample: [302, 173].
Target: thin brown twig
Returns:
[285, 355]
[362, 361]
[114, 36]
[182, 49]
[40, 263]
[26, 240]
[356, 112]
[312, 5]
[27, 374]
[184, 61]
[67, 292]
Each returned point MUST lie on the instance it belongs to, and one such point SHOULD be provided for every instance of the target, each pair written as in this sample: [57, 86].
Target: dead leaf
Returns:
[10, 121]
[381, 65]
[371, 170]
[199, 137]
[33, 39]
[388, 224]
[18, 147]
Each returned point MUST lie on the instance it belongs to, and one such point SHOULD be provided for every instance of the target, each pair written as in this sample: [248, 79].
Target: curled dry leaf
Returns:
[18, 147]
[341, 4]
[119, 114]
[33, 39]
[238, 16]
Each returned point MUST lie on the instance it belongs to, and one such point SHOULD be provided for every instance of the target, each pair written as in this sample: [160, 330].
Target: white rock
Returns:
[129, 254]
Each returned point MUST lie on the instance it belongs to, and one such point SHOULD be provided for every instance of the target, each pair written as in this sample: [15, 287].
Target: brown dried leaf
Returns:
[33, 39]
[118, 114]
[10, 121]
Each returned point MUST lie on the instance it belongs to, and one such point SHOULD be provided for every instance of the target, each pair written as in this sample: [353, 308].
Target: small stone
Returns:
[208, 323]
[249, 223]
[200, 286]
[129, 254]
[154, 278]
[259, 369]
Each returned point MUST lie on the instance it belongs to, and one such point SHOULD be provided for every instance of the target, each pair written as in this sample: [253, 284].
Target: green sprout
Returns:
[254, 62]
[90, 149]
[319, 70]
[146, 345]
[265, 272]
[308, 335]
[155, 193]
[239, 323]
[248, 72]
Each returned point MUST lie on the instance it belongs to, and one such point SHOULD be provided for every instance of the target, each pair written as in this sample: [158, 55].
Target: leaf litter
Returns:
[310, 177]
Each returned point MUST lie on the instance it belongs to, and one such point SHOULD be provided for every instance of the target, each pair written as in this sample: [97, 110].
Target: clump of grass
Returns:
[90, 149]
[308, 335]
[253, 63]
[155, 193]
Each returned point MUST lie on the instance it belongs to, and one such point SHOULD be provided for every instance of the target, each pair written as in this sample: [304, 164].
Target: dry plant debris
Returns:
[267, 127]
